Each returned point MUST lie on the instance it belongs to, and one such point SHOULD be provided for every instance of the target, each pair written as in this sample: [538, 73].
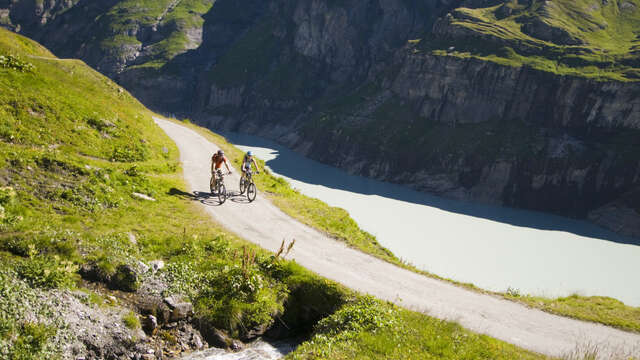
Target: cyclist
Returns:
[217, 160]
[246, 164]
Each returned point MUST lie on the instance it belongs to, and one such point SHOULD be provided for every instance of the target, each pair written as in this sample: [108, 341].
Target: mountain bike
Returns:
[246, 183]
[216, 185]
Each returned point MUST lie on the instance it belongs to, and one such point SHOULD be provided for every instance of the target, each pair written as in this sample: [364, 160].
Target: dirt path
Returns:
[264, 224]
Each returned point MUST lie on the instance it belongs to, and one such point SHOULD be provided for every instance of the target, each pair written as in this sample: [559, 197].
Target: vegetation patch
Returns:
[131, 321]
[370, 329]
[579, 38]
[29, 328]
[598, 309]
[15, 63]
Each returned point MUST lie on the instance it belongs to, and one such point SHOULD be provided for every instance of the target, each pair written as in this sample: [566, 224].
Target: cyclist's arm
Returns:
[226, 163]
[256, 165]
[213, 164]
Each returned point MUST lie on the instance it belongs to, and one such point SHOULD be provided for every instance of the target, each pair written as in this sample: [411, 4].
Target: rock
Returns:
[196, 341]
[143, 268]
[236, 345]
[617, 217]
[182, 312]
[91, 272]
[254, 332]
[215, 337]
[125, 279]
[156, 265]
[542, 30]
[150, 324]
[148, 304]
[132, 238]
[143, 196]
[173, 301]
[148, 357]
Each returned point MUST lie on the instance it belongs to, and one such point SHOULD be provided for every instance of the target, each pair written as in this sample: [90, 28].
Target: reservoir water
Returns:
[494, 248]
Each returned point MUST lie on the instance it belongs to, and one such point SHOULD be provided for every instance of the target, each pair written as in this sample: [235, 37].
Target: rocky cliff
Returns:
[381, 89]
[523, 103]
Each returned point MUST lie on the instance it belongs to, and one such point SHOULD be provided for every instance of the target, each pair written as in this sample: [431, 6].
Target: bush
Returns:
[15, 63]
[35, 338]
[367, 314]
[131, 321]
[32, 339]
[238, 298]
[132, 171]
[7, 195]
[23, 244]
[182, 279]
[100, 124]
[7, 200]
[47, 271]
[130, 153]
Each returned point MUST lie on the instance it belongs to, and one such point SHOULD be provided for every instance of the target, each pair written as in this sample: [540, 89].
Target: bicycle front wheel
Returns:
[251, 192]
[243, 185]
[222, 193]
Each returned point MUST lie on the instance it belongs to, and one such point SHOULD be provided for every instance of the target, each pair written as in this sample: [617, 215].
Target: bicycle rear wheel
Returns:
[251, 192]
[222, 193]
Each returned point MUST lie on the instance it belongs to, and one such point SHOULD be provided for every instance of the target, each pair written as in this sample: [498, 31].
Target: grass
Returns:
[372, 330]
[73, 148]
[582, 38]
[129, 22]
[598, 309]
[131, 321]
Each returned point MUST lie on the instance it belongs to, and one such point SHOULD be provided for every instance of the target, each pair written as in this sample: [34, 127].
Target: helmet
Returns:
[249, 153]
[220, 152]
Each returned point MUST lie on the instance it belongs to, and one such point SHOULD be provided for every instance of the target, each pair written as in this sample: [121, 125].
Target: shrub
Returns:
[99, 124]
[182, 279]
[131, 321]
[22, 244]
[132, 171]
[130, 153]
[47, 271]
[15, 63]
[35, 338]
[31, 340]
[7, 195]
[7, 200]
[367, 314]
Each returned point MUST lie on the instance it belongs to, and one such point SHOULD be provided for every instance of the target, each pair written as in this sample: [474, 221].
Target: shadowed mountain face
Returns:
[524, 103]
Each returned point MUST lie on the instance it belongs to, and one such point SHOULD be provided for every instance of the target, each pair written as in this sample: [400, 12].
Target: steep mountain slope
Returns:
[525, 103]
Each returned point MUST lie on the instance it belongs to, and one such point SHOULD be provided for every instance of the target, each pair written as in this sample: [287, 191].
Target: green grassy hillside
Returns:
[591, 38]
[123, 23]
[74, 151]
